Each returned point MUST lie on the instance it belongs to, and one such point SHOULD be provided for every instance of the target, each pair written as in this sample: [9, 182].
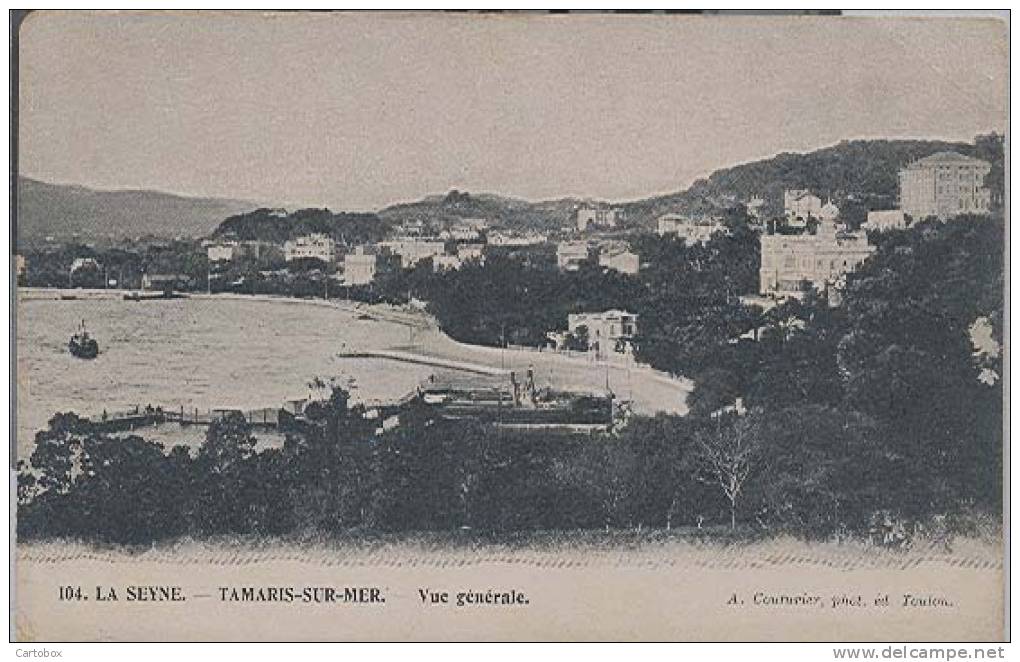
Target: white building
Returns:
[360, 267]
[945, 184]
[885, 219]
[316, 246]
[413, 251]
[620, 259]
[692, 230]
[570, 255]
[791, 262]
[597, 215]
[84, 263]
[227, 251]
[471, 252]
[609, 331]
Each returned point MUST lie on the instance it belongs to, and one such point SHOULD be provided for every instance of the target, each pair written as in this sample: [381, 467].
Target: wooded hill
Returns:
[859, 176]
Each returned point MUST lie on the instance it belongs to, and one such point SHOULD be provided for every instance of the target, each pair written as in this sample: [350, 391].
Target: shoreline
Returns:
[650, 391]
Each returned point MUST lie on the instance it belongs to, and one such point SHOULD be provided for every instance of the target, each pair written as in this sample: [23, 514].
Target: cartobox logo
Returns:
[37, 652]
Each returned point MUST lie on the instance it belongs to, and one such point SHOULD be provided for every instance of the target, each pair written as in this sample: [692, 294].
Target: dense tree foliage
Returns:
[276, 226]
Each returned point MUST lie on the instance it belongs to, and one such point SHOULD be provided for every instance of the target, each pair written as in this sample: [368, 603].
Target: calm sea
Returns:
[202, 353]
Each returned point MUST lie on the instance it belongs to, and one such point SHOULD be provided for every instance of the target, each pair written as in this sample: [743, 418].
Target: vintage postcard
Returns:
[456, 326]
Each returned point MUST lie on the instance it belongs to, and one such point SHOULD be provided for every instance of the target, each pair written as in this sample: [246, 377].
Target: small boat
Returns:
[83, 345]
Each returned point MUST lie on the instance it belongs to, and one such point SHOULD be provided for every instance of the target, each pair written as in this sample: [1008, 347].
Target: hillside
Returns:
[61, 211]
[859, 175]
[277, 225]
[503, 212]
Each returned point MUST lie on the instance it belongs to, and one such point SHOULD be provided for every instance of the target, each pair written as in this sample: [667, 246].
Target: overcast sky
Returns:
[357, 111]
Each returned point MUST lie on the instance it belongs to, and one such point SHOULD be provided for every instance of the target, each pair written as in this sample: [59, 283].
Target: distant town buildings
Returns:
[620, 259]
[692, 229]
[317, 246]
[609, 331]
[413, 251]
[790, 263]
[885, 219]
[570, 255]
[945, 184]
[471, 252]
[511, 239]
[228, 251]
[414, 227]
[600, 216]
[466, 229]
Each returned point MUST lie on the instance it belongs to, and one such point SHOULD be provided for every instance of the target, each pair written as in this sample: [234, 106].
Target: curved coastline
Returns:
[649, 391]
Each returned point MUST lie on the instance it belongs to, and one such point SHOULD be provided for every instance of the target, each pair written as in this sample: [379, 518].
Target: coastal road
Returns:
[650, 391]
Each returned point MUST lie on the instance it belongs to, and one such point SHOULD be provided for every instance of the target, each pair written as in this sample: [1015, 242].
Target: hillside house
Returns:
[570, 255]
[609, 331]
[792, 263]
[693, 230]
[315, 246]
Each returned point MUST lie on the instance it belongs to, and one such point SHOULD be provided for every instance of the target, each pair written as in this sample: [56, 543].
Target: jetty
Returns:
[139, 417]
[421, 359]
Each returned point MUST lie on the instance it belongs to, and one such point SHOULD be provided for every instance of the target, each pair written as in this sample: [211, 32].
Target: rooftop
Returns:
[947, 158]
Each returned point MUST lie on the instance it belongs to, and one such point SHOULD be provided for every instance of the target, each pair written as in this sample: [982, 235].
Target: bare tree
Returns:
[729, 456]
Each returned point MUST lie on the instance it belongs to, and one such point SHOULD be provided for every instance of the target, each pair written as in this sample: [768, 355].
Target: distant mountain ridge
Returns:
[858, 175]
[66, 211]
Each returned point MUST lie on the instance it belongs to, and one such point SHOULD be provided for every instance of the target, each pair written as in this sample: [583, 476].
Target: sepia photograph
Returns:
[508, 326]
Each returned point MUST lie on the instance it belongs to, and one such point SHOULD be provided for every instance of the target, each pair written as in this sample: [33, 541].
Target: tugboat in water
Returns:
[83, 345]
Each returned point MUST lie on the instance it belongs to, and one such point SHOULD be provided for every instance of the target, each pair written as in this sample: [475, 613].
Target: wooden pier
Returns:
[139, 417]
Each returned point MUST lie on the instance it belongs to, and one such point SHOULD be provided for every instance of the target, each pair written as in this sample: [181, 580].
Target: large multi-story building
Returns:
[944, 185]
[791, 263]
[691, 229]
[315, 246]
